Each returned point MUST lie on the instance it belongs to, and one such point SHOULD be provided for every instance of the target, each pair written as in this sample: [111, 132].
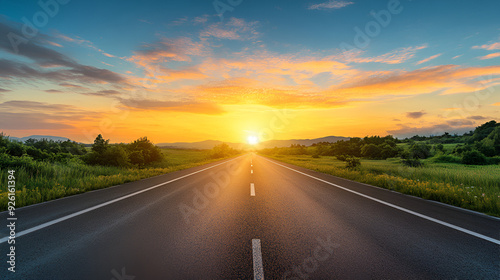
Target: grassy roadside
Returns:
[44, 181]
[472, 187]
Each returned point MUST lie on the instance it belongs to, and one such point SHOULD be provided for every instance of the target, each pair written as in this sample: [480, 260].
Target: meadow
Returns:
[472, 187]
[39, 181]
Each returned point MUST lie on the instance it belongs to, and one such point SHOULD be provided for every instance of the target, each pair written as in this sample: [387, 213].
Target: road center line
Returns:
[478, 235]
[47, 224]
[258, 269]
[252, 189]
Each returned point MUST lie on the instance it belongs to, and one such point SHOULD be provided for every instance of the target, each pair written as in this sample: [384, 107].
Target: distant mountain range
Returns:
[39, 137]
[209, 144]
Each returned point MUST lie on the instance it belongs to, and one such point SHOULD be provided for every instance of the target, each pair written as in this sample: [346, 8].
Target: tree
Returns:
[222, 150]
[16, 149]
[371, 151]
[420, 150]
[483, 131]
[100, 145]
[439, 148]
[142, 151]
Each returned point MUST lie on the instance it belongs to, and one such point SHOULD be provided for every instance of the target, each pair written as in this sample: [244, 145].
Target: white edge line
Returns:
[258, 269]
[484, 237]
[252, 189]
[46, 224]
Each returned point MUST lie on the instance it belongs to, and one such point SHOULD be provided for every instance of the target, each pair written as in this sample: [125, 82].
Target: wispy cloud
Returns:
[490, 56]
[415, 115]
[72, 86]
[428, 59]
[195, 107]
[33, 115]
[104, 93]
[396, 56]
[201, 19]
[145, 21]
[477, 118]
[45, 57]
[82, 42]
[332, 4]
[448, 79]
[30, 121]
[490, 47]
[234, 29]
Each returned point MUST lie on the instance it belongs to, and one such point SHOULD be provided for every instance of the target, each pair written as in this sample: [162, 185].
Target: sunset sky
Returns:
[195, 70]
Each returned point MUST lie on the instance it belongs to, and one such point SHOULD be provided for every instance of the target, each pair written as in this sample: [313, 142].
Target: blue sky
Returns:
[187, 66]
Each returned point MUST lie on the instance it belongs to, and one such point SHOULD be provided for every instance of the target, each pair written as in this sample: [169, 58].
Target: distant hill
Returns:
[209, 144]
[305, 142]
[39, 137]
[202, 145]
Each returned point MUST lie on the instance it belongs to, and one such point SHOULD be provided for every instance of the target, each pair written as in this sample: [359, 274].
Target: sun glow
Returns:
[252, 140]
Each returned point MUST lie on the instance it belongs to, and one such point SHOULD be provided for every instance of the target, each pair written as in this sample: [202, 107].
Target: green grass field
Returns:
[471, 187]
[45, 181]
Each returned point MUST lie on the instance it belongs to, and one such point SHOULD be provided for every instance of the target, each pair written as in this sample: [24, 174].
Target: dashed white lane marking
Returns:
[484, 237]
[252, 189]
[251, 171]
[47, 224]
[258, 269]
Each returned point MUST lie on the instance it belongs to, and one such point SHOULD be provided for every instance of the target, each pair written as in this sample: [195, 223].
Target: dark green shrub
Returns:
[473, 157]
[342, 157]
[447, 159]
[411, 162]
[352, 162]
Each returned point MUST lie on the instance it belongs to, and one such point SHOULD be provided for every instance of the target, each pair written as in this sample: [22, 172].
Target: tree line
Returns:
[137, 153]
[481, 146]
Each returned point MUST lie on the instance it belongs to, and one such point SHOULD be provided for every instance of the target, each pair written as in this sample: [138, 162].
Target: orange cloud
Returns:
[448, 78]
[428, 59]
[248, 91]
[490, 56]
[492, 46]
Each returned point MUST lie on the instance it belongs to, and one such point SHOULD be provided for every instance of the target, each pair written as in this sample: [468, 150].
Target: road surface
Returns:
[250, 218]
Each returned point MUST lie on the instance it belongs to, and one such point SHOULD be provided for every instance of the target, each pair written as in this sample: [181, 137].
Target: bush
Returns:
[342, 157]
[446, 159]
[493, 160]
[352, 162]
[473, 157]
[411, 162]
[222, 150]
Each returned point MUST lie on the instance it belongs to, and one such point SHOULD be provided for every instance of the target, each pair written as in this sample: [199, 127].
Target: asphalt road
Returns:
[250, 218]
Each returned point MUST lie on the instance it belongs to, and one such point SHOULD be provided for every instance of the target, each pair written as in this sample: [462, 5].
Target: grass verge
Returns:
[472, 187]
[44, 181]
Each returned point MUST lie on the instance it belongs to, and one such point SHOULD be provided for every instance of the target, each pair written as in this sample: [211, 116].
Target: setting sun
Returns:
[252, 140]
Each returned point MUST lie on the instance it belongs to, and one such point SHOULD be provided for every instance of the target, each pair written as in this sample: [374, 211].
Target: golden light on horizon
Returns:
[253, 140]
